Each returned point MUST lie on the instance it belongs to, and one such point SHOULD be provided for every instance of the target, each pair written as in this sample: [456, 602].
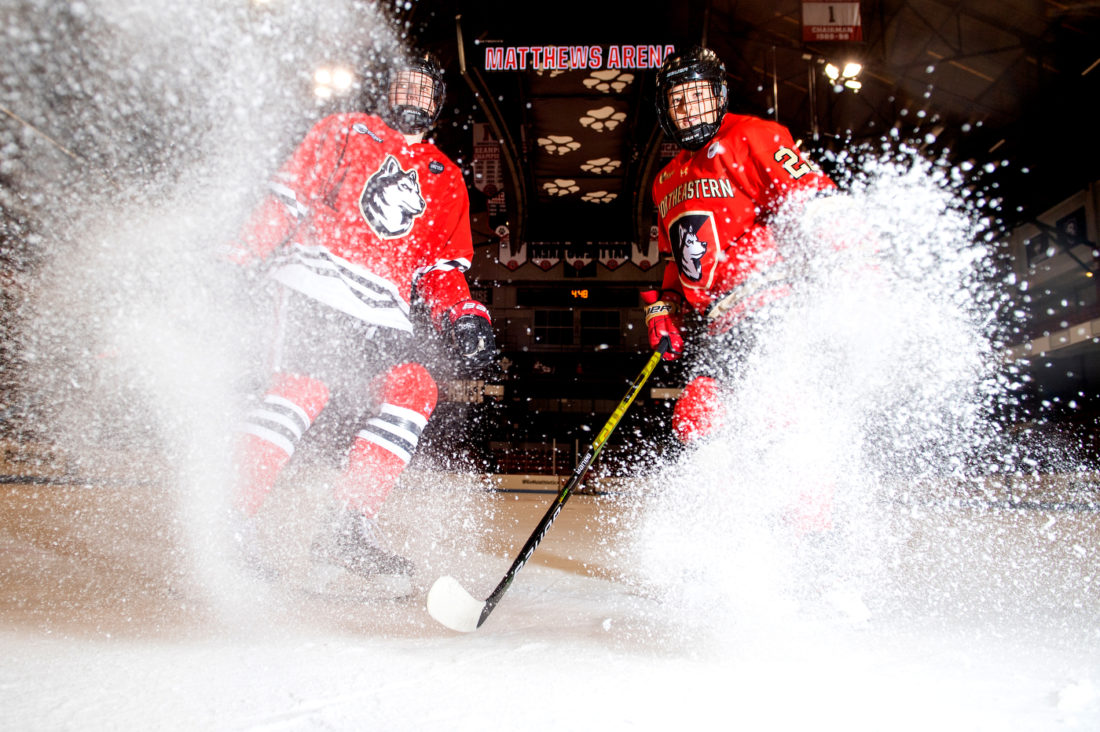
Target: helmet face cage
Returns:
[415, 95]
[698, 66]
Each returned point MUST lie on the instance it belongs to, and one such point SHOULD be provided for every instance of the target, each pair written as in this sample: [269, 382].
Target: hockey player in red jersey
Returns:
[714, 201]
[364, 214]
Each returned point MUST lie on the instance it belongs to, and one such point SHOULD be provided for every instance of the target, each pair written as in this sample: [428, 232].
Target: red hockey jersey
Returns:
[712, 206]
[357, 218]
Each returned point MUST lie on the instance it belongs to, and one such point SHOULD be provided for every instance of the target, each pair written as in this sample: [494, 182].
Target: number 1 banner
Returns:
[831, 21]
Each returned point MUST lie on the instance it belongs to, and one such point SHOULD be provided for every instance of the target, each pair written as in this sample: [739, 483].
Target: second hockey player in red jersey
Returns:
[364, 213]
[714, 201]
[714, 198]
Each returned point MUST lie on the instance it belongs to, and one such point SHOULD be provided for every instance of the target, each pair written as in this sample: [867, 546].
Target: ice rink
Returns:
[674, 601]
[118, 615]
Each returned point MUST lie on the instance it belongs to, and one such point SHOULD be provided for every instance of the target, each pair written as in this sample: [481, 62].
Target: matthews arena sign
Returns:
[571, 58]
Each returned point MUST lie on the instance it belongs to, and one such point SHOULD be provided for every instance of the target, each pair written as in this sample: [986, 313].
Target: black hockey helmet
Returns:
[419, 117]
[694, 64]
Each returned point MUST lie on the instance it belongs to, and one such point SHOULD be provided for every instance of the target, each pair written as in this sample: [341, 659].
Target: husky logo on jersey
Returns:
[391, 200]
[693, 235]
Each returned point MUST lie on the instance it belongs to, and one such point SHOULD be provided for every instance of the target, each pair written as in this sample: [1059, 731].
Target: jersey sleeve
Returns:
[290, 192]
[441, 282]
[672, 289]
[663, 244]
[670, 282]
[779, 167]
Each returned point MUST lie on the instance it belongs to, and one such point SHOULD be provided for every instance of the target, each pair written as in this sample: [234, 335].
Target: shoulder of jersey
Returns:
[753, 131]
[376, 129]
[743, 123]
[438, 163]
[672, 167]
[759, 126]
[369, 125]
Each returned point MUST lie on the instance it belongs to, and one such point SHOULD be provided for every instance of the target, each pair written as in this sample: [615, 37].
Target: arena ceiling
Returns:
[1002, 83]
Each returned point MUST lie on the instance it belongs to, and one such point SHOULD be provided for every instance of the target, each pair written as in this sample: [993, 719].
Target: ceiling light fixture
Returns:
[846, 78]
[332, 81]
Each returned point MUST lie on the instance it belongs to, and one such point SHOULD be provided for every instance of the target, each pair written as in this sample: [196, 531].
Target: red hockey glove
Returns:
[470, 331]
[661, 323]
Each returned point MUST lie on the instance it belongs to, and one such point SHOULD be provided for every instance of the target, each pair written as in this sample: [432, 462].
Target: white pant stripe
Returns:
[385, 444]
[286, 403]
[270, 436]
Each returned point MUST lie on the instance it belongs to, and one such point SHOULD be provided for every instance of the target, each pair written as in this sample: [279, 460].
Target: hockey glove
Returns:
[660, 320]
[470, 331]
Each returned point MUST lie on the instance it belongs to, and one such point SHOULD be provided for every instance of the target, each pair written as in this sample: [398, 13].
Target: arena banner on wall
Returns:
[512, 252]
[577, 254]
[612, 254]
[488, 169]
[544, 254]
[823, 20]
[645, 254]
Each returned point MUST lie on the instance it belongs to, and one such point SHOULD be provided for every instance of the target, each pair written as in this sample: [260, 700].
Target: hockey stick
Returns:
[453, 606]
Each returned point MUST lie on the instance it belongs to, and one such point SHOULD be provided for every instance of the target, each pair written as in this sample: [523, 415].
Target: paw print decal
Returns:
[599, 197]
[601, 165]
[608, 80]
[561, 187]
[604, 118]
[559, 144]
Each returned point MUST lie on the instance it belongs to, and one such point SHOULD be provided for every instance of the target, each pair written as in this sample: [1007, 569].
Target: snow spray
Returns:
[867, 439]
[135, 140]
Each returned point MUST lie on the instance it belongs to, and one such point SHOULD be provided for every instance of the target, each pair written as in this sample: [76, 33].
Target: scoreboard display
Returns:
[572, 295]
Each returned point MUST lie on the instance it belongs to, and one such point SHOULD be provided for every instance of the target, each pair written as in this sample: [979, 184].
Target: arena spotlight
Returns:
[846, 78]
[331, 81]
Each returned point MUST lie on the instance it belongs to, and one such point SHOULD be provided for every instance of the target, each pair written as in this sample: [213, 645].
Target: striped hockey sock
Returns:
[387, 442]
[270, 433]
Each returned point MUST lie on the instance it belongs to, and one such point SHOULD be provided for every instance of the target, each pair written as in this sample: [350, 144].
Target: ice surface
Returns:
[984, 620]
[562, 651]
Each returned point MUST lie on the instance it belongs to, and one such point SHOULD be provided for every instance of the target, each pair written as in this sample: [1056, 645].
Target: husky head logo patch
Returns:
[391, 200]
[693, 237]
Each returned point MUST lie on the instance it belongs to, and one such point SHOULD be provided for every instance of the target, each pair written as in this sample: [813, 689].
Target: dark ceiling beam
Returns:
[497, 123]
[647, 170]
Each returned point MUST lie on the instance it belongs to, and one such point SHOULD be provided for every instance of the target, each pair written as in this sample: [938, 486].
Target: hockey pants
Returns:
[379, 453]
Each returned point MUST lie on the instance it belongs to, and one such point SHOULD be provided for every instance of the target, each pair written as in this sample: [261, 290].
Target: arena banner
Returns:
[823, 20]
[645, 254]
[545, 254]
[513, 252]
[612, 254]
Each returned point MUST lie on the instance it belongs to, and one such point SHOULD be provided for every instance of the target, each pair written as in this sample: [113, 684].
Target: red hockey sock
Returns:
[698, 411]
[386, 443]
[270, 433]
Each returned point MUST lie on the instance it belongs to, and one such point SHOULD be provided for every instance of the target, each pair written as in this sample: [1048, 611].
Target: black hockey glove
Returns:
[470, 332]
